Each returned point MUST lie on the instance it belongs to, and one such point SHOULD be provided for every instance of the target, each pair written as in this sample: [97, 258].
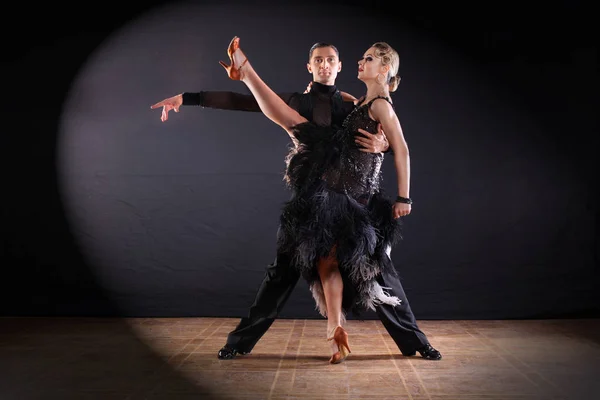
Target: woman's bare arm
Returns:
[384, 113]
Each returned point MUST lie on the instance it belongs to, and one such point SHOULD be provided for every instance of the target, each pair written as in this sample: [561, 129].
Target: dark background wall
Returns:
[108, 211]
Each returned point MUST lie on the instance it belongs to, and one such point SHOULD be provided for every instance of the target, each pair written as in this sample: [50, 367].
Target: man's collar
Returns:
[320, 88]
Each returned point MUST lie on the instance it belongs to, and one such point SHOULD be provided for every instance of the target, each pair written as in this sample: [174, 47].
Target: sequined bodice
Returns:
[357, 173]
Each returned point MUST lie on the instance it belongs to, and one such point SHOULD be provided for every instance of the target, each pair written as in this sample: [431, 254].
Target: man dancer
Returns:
[325, 105]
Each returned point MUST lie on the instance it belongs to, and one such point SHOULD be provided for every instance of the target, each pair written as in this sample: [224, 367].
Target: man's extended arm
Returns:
[219, 100]
[226, 100]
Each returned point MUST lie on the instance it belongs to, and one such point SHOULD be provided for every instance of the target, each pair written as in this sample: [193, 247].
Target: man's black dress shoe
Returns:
[229, 353]
[427, 352]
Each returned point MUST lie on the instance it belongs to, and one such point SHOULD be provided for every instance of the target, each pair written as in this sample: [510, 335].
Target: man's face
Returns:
[324, 65]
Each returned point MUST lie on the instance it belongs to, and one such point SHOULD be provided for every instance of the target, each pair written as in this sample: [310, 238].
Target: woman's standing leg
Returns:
[333, 288]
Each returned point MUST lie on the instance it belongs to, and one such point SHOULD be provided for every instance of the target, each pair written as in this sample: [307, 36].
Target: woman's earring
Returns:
[377, 79]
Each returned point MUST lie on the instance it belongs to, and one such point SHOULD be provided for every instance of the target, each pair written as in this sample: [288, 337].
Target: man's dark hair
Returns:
[319, 45]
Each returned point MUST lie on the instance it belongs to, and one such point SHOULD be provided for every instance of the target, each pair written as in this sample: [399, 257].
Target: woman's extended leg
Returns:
[269, 102]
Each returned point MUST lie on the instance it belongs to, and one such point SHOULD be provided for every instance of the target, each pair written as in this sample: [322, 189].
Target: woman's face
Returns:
[370, 66]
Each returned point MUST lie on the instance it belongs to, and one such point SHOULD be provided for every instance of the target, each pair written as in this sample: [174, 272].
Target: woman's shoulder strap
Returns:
[380, 97]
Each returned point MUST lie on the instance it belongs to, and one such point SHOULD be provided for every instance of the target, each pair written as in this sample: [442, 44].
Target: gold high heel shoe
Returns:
[341, 339]
[233, 71]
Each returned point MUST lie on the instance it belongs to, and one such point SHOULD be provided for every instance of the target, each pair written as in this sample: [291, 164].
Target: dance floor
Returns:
[176, 358]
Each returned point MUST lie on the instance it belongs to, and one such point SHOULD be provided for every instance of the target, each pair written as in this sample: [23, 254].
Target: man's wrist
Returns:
[192, 99]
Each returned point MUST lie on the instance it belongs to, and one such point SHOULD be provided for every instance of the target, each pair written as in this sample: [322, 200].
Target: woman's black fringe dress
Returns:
[338, 208]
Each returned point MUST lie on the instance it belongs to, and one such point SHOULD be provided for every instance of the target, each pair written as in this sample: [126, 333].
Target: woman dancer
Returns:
[338, 225]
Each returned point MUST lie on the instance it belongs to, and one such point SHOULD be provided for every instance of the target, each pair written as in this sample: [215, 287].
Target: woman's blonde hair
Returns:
[390, 57]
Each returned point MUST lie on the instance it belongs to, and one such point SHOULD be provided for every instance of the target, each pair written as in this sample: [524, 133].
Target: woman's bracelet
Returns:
[405, 200]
